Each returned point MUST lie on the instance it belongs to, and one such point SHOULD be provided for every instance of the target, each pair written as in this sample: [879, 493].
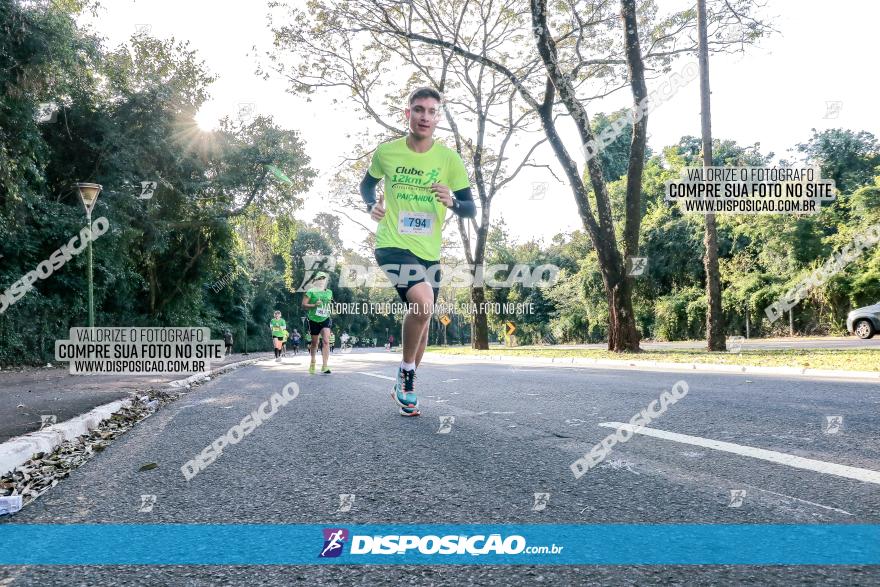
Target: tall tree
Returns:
[848, 157]
[715, 338]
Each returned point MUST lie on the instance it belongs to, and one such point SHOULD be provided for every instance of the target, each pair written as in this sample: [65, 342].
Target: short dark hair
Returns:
[424, 92]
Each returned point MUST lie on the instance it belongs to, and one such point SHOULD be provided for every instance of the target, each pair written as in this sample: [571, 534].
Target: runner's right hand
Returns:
[378, 212]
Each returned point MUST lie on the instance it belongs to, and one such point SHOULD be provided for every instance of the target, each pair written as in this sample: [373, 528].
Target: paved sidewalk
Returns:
[27, 394]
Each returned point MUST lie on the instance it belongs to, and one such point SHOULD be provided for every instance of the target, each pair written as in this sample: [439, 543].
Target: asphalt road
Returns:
[515, 433]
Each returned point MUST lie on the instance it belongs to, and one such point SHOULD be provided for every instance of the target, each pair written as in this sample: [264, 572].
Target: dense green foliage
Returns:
[122, 117]
[762, 257]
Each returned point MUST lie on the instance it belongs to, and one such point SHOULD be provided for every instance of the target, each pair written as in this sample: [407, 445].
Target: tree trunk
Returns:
[715, 339]
[623, 336]
[153, 286]
[479, 325]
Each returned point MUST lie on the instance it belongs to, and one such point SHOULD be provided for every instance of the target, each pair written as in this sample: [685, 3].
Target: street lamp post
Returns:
[88, 193]
[244, 311]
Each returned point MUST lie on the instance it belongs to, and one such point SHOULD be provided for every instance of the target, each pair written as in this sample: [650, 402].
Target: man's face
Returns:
[423, 116]
[277, 315]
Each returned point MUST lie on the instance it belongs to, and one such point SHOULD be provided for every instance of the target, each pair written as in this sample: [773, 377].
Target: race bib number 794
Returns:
[416, 223]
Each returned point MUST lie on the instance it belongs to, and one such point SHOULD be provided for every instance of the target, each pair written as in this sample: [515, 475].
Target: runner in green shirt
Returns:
[277, 325]
[423, 179]
[317, 301]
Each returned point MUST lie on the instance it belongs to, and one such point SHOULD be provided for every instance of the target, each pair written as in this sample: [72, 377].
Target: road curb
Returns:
[18, 450]
[218, 371]
[666, 366]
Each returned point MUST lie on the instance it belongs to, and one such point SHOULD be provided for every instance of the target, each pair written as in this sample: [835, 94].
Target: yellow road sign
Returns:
[511, 328]
[444, 319]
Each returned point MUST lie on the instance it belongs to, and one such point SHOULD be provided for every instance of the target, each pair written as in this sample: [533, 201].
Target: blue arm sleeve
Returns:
[368, 188]
[465, 205]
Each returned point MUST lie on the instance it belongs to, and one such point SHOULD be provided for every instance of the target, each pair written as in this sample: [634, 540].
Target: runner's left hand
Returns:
[442, 193]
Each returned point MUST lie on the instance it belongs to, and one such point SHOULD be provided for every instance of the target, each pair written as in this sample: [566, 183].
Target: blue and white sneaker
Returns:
[404, 394]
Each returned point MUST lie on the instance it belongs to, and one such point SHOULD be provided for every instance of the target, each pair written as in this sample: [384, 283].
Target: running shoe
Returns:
[404, 393]
[311, 368]
[325, 370]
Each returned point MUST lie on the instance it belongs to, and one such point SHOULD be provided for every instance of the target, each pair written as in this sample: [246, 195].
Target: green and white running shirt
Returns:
[278, 326]
[413, 216]
[319, 313]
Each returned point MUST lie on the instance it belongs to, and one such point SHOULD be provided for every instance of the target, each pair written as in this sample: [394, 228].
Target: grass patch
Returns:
[841, 359]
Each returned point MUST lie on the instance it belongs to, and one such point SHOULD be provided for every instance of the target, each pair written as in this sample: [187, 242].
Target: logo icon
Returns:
[334, 540]
[147, 503]
[541, 500]
[47, 112]
[446, 424]
[832, 108]
[637, 266]
[147, 189]
[539, 190]
[735, 344]
[245, 111]
[48, 420]
[346, 500]
[312, 264]
[832, 424]
[736, 498]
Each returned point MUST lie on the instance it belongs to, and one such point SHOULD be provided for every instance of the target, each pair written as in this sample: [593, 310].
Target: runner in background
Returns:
[227, 340]
[296, 338]
[317, 301]
[277, 326]
[423, 180]
[332, 341]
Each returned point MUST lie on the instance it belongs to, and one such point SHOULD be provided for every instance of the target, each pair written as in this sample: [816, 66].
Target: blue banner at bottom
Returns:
[612, 544]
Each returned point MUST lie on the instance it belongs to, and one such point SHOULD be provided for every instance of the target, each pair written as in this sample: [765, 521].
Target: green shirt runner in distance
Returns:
[319, 313]
[413, 216]
[278, 327]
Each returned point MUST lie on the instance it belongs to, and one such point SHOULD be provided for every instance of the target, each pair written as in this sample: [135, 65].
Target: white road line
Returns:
[866, 475]
[827, 507]
[375, 375]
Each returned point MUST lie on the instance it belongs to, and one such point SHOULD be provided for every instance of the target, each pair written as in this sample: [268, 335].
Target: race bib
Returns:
[322, 312]
[416, 223]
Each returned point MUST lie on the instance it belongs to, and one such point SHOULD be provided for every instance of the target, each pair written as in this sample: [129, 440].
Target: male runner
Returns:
[423, 178]
[277, 326]
[296, 340]
[227, 340]
[317, 301]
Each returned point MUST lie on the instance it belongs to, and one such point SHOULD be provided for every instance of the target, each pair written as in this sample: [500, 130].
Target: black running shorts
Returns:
[397, 260]
[315, 328]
